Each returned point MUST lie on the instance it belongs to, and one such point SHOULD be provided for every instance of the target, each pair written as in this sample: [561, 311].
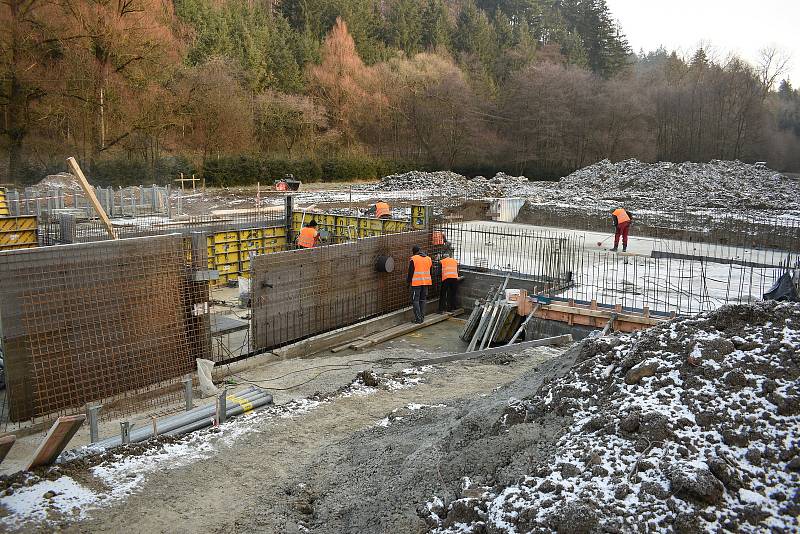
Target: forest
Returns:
[240, 91]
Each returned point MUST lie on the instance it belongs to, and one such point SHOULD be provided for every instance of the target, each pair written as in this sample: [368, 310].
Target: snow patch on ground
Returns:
[45, 500]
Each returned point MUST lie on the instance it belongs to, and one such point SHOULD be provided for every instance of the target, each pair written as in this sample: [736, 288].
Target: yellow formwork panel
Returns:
[226, 237]
[251, 244]
[4, 211]
[275, 243]
[220, 248]
[275, 231]
[18, 232]
[391, 226]
[251, 233]
[226, 257]
[16, 224]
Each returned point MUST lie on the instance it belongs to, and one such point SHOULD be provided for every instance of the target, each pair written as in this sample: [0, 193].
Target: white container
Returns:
[512, 296]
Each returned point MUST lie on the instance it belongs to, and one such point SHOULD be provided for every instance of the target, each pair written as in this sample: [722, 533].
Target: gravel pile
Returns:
[717, 184]
[450, 184]
[62, 180]
[691, 426]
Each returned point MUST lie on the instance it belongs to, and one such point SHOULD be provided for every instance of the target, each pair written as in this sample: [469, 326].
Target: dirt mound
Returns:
[716, 184]
[62, 180]
[449, 184]
[690, 426]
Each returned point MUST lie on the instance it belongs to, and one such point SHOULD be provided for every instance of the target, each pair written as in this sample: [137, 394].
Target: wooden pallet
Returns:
[597, 317]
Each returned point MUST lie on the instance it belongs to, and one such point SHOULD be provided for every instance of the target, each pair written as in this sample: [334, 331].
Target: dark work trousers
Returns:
[622, 231]
[447, 294]
[419, 294]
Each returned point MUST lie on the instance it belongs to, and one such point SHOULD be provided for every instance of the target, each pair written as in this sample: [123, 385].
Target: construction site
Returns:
[174, 360]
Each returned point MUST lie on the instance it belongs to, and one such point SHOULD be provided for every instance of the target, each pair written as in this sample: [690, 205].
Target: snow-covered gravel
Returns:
[56, 496]
[448, 184]
[692, 426]
[672, 186]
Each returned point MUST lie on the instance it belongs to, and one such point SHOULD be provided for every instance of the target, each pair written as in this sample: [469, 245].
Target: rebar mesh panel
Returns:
[86, 323]
[300, 293]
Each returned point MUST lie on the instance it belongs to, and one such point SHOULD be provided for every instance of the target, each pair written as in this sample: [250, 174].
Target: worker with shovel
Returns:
[450, 279]
[309, 236]
[419, 278]
[622, 223]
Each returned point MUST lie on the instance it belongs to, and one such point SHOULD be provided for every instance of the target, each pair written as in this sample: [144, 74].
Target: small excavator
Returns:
[287, 183]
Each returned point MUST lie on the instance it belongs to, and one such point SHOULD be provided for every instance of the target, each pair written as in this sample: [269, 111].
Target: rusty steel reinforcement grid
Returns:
[755, 230]
[116, 322]
[65, 228]
[548, 256]
[681, 277]
[300, 293]
[682, 285]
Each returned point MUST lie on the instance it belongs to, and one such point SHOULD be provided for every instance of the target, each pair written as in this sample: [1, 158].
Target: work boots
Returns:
[614, 249]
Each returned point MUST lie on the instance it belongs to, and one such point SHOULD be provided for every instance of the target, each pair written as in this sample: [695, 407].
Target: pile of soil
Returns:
[690, 426]
[716, 184]
[450, 184]
[62, 180]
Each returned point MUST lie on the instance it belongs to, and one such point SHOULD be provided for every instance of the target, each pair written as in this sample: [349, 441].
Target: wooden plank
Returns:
[5, 445]
[56, 440]
[89, 192]
[504, 349]
[594, 322]
[603, 314]
[404, 329]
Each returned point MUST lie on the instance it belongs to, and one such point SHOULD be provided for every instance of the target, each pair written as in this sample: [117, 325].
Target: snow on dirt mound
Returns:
[692, 426]
[447, 183]
[721, 184]
[62, 180]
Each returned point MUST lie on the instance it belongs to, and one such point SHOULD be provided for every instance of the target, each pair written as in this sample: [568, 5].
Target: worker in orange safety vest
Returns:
[382, 210]
[419, 278]
[309, 237]
[447, 295]
[622, 224]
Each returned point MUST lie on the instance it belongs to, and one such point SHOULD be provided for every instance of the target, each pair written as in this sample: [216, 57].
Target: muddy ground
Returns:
[335, 469]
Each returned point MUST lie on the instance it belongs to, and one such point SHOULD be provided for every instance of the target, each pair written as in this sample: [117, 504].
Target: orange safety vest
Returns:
[307, 237]
[621, 215]
[381, 209]
[437, 238]
[422, 271]
[449, 268]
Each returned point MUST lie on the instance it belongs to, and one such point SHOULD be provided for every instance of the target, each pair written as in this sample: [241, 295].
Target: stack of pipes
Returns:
[494, 320]
[201, 417]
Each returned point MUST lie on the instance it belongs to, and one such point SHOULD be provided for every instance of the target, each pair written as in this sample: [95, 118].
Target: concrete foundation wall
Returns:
[301, 293]
[476, 285]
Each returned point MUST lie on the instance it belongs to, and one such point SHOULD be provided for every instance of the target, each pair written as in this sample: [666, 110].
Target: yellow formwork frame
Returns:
[229, 252]
[18, 232]
[4, 209]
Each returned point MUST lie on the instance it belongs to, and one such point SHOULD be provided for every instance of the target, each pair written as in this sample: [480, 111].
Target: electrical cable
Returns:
[327, 369]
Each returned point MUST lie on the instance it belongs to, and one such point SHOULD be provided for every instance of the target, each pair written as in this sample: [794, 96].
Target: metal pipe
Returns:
[179, 420]
[91, 416]
[187, 392]
[232, 411]
[125, 432]
[222, 406]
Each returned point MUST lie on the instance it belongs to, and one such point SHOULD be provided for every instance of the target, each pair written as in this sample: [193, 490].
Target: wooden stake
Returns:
[89, 191]
[56, 439]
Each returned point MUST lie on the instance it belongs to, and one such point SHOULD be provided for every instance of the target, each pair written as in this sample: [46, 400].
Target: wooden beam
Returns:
[89, 192]
[504, 349]
[56, 440]
[603, 314]
[5, 445]
[403, 329]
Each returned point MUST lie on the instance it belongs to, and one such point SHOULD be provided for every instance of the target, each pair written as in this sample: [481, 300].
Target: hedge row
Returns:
[247, 170]
[119, 171]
